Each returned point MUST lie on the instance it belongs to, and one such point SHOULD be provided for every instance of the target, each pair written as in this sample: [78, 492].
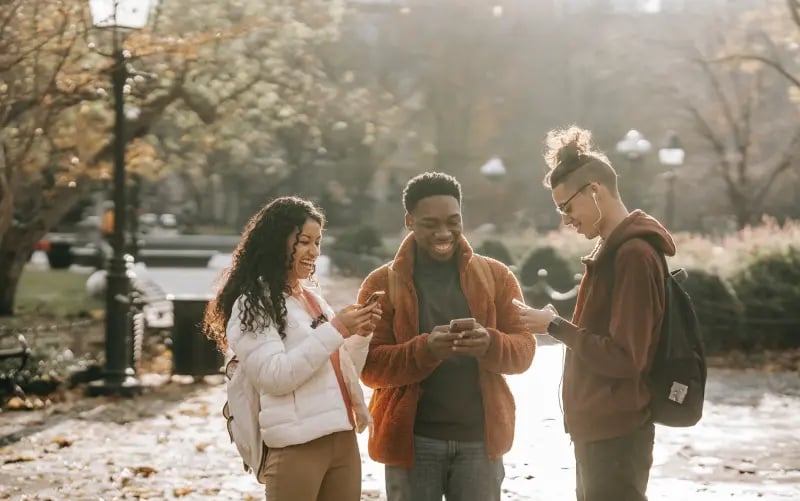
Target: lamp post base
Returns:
[127, 386]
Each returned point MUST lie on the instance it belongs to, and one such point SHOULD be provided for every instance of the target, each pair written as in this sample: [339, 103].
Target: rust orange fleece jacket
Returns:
[615, 331]
[398, 358]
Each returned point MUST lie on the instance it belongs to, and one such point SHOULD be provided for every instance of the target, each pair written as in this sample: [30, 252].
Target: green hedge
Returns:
[720, 312]
[769, 288]
[363, 239]
[496, 250]
[559, 273]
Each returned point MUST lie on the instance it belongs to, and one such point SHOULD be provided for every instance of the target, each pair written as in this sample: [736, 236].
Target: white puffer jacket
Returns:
[299, 393]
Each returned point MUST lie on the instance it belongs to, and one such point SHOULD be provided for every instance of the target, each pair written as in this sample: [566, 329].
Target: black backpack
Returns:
[677, 378]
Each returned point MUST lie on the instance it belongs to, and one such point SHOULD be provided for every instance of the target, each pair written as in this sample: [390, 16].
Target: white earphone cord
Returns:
[596, 224]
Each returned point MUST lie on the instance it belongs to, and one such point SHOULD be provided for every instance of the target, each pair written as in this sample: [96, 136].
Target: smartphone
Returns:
[374, 297]
[462, 324]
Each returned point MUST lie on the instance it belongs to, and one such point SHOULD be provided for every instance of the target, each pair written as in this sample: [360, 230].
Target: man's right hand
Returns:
[440, 341]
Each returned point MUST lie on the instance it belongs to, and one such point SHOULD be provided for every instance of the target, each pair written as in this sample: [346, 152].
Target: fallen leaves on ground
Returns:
[201, 411]
[19, 459]
[61, 442]
[179, 492]
[144, 471]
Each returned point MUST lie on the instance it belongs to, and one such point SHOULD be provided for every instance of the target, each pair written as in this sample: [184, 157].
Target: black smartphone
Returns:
[462, 324]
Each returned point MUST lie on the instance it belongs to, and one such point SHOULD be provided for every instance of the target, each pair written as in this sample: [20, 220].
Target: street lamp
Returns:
[634, 146]
[494, 171]
[118, 377]
[671, 156]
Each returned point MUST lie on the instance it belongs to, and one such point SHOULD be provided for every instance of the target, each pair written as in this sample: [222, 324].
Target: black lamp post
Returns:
[634, 146]
[118, 376]
[495, 171]
[671, 156]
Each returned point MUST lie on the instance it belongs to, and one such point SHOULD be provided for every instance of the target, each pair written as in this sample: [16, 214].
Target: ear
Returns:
[595, 190]
[409, 221]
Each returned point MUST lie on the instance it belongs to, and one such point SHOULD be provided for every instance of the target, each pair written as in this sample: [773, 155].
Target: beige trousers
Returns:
[325, 469]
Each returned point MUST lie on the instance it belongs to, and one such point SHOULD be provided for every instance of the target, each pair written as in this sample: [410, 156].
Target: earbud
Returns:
[594, 196]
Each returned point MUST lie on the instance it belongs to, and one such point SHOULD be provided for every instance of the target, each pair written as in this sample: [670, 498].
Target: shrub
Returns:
[362, 239]
[769, 288]
[497, 250]
[351, 264]
[718, 309]
[559, 274]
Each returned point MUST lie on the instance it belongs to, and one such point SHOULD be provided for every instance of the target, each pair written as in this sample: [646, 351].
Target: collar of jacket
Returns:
[403, 263]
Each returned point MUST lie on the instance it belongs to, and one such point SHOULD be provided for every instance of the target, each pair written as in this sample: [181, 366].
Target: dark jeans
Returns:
[616, 469]
[460, 471]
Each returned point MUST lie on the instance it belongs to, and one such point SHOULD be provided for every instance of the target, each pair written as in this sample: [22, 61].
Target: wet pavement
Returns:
[171, 443]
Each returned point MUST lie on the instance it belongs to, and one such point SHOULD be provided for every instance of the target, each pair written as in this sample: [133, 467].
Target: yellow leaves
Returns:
[61, 442]
[794, 95]
[142, 158]
[750, 66]
[144, 471]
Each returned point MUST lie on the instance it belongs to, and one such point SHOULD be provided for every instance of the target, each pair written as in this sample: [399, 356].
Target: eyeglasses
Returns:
[563, 208]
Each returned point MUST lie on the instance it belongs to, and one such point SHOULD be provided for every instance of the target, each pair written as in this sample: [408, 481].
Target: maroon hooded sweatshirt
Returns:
[615, 330]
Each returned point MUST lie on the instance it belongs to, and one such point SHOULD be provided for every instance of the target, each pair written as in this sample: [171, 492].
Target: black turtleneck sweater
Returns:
[451, 406]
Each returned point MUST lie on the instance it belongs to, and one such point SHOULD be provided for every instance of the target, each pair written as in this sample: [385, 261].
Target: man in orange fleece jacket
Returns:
[614, 331]
[443, 413]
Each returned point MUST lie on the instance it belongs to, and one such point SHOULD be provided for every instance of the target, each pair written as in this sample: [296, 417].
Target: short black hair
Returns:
[429, 184]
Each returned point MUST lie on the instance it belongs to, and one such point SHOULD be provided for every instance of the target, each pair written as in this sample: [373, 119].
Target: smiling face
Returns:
[581, 207]
[303, 249]
[437, 226]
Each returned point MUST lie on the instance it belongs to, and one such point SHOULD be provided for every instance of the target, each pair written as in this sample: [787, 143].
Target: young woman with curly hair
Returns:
[303, 358]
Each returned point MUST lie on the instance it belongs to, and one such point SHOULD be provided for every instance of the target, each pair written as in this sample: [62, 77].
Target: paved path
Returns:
[171, 443]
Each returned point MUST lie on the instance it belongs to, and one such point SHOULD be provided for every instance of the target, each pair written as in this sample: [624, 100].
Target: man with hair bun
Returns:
[612, 338]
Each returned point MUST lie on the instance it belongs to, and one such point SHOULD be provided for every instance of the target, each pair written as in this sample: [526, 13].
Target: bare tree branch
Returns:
[787, 160]
[794, 10]
[707, 131]
[725, 104]
[775, 65]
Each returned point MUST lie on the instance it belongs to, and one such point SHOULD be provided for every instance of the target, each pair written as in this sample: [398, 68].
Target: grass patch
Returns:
[57, 293]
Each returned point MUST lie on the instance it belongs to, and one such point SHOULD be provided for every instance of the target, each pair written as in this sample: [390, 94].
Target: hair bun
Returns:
[569, 152]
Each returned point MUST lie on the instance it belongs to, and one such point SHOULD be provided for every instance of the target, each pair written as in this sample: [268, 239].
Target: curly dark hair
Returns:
[427, 185]
[259, 271]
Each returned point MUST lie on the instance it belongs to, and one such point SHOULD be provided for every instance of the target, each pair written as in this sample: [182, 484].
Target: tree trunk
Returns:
[15, 250]
[6, 197]
[744, 213]
[18, 242]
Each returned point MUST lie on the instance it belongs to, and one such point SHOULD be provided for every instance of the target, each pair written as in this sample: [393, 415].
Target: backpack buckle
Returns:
[678, 391]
